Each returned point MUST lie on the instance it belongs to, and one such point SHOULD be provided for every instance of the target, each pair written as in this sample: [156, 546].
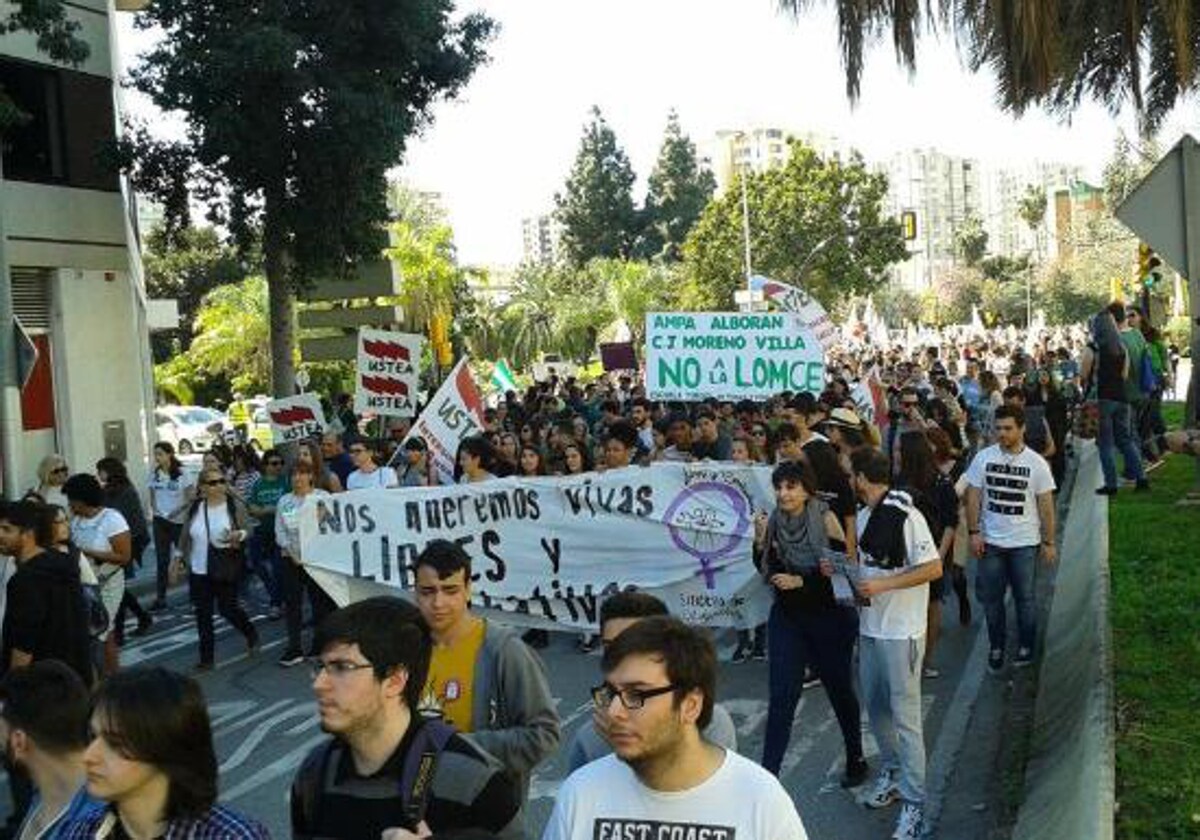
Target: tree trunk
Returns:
[279, 301]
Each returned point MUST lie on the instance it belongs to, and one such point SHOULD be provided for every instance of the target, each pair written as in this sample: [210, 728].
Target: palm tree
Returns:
[1032, 210]
[1051, 53]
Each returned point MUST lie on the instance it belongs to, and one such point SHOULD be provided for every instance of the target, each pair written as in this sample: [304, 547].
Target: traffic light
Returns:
[908, 222]
[1149, 267]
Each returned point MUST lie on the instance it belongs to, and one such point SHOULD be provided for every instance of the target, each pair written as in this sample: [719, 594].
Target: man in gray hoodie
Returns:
[482, 677]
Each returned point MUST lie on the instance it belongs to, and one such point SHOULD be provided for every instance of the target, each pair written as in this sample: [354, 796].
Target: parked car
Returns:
[189, 428]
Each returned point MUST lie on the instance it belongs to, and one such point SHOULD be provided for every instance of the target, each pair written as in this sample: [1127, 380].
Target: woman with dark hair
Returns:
[934, 496]
[833, 486]
[170, 494]
[576, 459]
[507, 452]
[807, 625]
[152, 760]
[531, 463]
[217, 520]
[122, 496]
[246, 471]
[102, 536]
[475, 460]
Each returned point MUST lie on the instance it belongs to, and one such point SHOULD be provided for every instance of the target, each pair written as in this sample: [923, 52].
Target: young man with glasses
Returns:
[663, 779]
[367, 474]
[618, 613]
[387, 771]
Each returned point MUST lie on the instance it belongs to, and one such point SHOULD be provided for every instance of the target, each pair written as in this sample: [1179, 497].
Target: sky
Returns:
[501, 150]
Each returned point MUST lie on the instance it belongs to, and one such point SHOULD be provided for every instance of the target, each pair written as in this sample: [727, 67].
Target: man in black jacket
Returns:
[46, 617]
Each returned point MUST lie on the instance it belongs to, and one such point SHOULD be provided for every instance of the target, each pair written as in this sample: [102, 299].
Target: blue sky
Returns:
[501, 150]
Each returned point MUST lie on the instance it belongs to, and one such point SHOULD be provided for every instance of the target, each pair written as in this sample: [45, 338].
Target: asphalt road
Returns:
[264, 720]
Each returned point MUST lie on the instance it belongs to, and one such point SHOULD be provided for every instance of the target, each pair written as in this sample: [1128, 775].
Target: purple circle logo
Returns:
[708, 520]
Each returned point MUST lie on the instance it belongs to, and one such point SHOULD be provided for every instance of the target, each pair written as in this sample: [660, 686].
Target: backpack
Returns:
[1147, 378]
[95, 611]
[416, 776]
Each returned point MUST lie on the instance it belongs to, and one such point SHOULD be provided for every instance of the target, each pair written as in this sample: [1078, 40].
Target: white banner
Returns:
[793, 299]
[732, 356]
[386, 378]
[296, 418]
[454, 414]
[546, 551]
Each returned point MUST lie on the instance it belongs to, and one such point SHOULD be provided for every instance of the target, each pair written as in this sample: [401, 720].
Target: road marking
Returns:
[279, 767]
[256, 737]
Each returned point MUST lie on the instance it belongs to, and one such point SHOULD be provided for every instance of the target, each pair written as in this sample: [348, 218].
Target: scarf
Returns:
[795, 542]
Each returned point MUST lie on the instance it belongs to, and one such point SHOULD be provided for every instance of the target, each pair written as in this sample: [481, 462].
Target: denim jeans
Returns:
[889, 673]
[823, 639]
[265, 562]
[1116, 433]
[998, 569]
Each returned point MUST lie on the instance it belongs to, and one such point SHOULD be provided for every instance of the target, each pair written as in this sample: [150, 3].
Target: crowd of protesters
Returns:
[912, 461]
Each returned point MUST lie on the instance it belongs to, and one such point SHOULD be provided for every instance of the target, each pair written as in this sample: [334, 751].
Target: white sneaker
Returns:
[911, 823]
[883, 792]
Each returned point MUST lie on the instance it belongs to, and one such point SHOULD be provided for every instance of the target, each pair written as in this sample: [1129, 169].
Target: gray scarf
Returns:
[797, 541]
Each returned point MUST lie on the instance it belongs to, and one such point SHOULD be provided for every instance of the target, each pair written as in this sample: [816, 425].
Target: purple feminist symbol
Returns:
[708, 520]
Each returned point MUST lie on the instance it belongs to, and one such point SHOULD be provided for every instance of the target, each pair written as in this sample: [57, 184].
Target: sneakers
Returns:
[910, 825]
[810, 678]
[1024, 658]
[930, 673]
[996, 661]
[144, 627]
[274, 614]
[883, 792]
[740, 655]
[1107, 491]
[856, 772]
[759, 654]
[1142, 486]
[291, 659]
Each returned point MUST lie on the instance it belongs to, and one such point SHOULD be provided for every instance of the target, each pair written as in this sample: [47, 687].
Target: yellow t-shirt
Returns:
[449, 689]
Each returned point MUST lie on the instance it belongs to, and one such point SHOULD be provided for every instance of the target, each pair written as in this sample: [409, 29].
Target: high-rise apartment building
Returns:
[541, 238]
[759, 150]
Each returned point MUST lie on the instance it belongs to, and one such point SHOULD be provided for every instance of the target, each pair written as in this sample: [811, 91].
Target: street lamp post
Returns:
[10, 393]
[746, 227]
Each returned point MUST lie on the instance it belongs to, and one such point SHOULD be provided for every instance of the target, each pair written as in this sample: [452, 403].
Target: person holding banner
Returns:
[807, 627]
[475, 457]
[367, 473]
[482, 677]
[295, 580]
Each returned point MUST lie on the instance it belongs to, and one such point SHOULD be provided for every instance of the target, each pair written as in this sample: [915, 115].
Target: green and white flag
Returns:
[502, 377]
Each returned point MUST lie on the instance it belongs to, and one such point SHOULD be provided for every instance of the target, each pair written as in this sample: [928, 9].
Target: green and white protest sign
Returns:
[730, 356]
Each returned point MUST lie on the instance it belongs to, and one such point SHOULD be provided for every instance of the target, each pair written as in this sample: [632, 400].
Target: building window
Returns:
[69, 117]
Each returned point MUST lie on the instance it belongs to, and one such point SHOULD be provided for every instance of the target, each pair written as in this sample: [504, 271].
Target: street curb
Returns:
[944, 761]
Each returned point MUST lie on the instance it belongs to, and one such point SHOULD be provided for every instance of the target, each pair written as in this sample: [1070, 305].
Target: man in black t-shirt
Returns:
[386, 769]
[46, 616]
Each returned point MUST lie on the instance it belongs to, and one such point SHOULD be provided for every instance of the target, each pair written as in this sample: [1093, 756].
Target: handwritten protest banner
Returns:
[454, 414]
[387, 373]
[794, 299]
[546, 551]
[730, 356]
[296, 418]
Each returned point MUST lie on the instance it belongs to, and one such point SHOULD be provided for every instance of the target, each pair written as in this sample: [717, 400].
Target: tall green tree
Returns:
[815, 222]
[678, 191]
[596, 207]
[1050, 53]
[294, 112]
[186, 267]
[1032, 209]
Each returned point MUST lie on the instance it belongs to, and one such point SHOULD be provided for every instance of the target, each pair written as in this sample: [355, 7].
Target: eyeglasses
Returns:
[216, 482]
[60, 470]
[631, 698]
[335, 667]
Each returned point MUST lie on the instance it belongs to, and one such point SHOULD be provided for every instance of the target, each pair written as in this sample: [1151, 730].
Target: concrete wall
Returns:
[93, 18]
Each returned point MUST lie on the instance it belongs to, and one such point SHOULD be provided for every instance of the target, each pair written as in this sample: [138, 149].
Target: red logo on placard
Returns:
[385, 350]
[291, 416]
[383, 385]
[469, 393]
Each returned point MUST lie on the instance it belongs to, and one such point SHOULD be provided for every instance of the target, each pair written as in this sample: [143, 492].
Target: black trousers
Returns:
[296, 582]
[824, 640]
[207, 593]
[166, 535]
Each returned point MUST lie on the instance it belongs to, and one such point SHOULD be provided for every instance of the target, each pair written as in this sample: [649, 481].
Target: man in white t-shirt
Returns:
[367, 474]
[898, 558]
[1010, 511]
[663, 779]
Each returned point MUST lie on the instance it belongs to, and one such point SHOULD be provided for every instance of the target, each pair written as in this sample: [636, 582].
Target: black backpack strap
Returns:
[420, 766]
[309, 781]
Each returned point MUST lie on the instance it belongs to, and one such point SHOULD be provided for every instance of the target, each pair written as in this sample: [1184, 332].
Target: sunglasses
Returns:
[59, 470]
[216, 482]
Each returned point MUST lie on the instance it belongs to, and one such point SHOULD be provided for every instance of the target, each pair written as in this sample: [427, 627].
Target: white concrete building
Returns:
[759, 149]
[67, 238]
[541, 239]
